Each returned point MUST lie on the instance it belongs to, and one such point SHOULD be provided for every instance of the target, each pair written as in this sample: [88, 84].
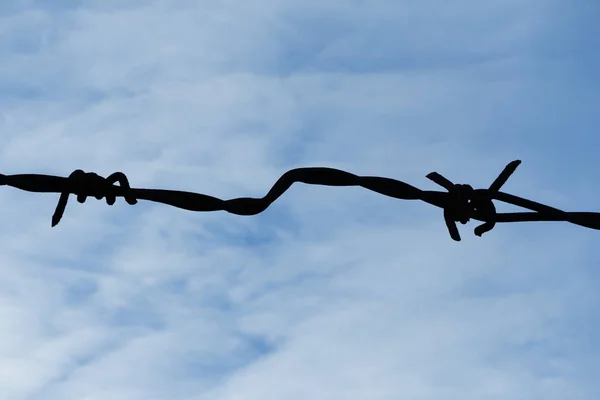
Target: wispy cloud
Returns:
[332, 293]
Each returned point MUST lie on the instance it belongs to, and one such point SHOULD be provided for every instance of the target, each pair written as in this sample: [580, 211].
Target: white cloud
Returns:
[332, 293]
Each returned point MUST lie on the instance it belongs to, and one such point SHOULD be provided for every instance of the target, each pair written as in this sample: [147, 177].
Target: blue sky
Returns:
[332, 293]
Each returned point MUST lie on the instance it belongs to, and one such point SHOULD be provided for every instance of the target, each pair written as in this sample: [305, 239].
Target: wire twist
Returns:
[89, 184]
[464, 201]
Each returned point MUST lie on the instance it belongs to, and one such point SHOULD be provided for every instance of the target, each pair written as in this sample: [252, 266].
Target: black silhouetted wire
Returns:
[460, 203]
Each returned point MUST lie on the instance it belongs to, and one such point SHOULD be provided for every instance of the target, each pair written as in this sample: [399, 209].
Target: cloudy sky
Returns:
[332, 293]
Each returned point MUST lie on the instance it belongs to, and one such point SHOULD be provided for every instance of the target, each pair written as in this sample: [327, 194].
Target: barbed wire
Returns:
[459, 202]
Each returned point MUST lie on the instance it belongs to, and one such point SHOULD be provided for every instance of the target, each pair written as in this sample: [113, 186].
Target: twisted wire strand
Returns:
[459, 202]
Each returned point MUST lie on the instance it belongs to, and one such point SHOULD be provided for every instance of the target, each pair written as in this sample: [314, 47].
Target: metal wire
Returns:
[459, 202]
